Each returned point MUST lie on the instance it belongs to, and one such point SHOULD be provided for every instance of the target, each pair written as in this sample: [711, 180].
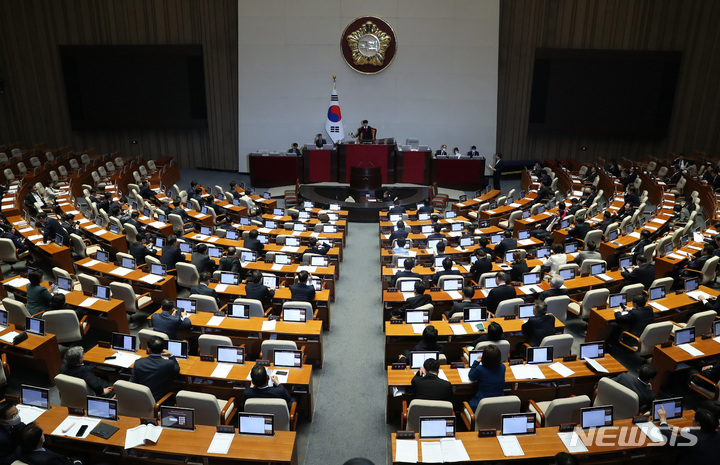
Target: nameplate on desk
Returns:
[457, 365]
[104, 344]
[76, 411]
[219, 313]
[207, 358]
[148, 421]
[393, 289]
[405, 435]
[399, 366]
[516, 361]
[567, 427]
[273, 318]
[262, 363]
[455, 320]
[477, 288]
[487, 433]
[434, 289]
[396, 322]
[225, 429]
[707, 336]
[640, 419]
[569, 358]
[510, 317]
[666, 344]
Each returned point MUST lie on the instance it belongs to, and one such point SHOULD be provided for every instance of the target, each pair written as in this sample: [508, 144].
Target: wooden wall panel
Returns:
[33, 107]
[686, 25]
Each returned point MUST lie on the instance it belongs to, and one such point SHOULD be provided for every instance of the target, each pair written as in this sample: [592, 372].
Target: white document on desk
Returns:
[595, 365]
[431, 452]
[221, 288]
[18, 282]
[89, 302]
[8, 337]
[29, 413]
[35, 237]
[222, 370]
[510, 446]
[287, 248]
[634, 234]
[691, 350]
[525, 242]
[658, 306]
[158, 224]
[23, 231]
[442, 375]
[561, 369]
[604, 277]
[308, 268]
[269, 325]
[406, 450]
[151, 278]
[418, 328]
[281, 373]
[485, 292]
[527, 372]
[221, 443]
[277, 267]
[464, 373]
[458, 329]
[453, 450]
[120, 271]
[454, 295]
[652, 432]
[123, 359]
[72, 424]
[572, 442]
[407, 295]
[215, 320]
[698, 295]
[91, 263]
[530, 289]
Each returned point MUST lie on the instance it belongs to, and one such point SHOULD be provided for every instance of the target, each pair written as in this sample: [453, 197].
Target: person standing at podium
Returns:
[473, 152]
[319, 141]
[365, 132]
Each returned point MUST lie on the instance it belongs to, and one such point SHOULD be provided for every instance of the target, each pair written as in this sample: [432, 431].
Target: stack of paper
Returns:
[691, 350]
[406, 450]
[222, 370]
[89, 302]
[658, 306]
[18, 282]
[8, 337]
[71, 425]
[151, 278]
[221, 443]
[141, 435]
[527, 372]
[221, 287]
[532, 288]
[561, 369]
[120, 271]
[510, 446]
[444, 450]
[463, 373]
[29, 413]
[572, 442]
[123, 359]
[458, 329]
[215, 320]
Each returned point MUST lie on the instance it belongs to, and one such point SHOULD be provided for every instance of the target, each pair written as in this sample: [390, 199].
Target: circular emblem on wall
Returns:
[368, 44]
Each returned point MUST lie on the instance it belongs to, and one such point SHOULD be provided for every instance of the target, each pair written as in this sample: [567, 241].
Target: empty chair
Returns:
[17, 312]
[510, 223]
[701, 321]
[268, 347]
[136, 400]
[9, 253]
[187, 275]
[508, 307]
[205, 303]
[625, 401]
[73, 391]
[82, 247]
[133, 302]
[284, 419]
[558, 411]
[592, 299]
[561, 344]
[666, 282]
[144, 335]
[85, 158]
[22, 169]
[707, 273]
[209, 410]
[255, 307]
[652, 335]
[411, 414]
[631, 290]
[74, 165]
[488, 413]
[87, 282]
[557, 306]
[208, 343]
[64, 324]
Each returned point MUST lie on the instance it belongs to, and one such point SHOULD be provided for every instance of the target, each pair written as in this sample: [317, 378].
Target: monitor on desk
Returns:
[514, 424]
[231, 354]
[134, 206]
[35, 326]
[127, 262]
[522, 235]
[126, 342]
[417, 358]
[691, 284]
[179, 349]
[238, 310]
[236, 202]
[568, 273]
[231, 235]
[177, 417]
[526, 311]
[423, 216]
[394, 217]
[220, 196]
[308, 205]
[320, 261]
[685, 335]
[65, 284]
[592, 350]
[317, 284]
[525, 215]
[330, 229]
[668, 248]
[299, 227]
[417, 316]
[467, 241]
[657, 292]
[436, 427]
[463, 198]
[256, 424]
[474, 314]
[158, 269]
[99, 221]
[248, 257]
[596, 417]
[161, 218]
[101, 292]
[542, 252]
[571, 247]
[206, 230]
[625, 262]
[489, 282]
[283, 259]
[263, 239]
[684, 240]
[187, 305]
[204, 210]
[333, 216]
[291, 241]
[270, 224]
[287, 358]
[450, 214]
[541, 209]
[509, 257]
[100, 407]
[244, 220]
[564, 224]
[426, 229]
[271, 282]
[537, 355]
[495, 238]
[159, 242]
[716, 327]
[58, 240]
[439, 261]
[230, 278]
[450, 284]
[613, 235]
[614, 300]
[457, 227]
[146, 211]
[102, 256]
[673, 407]
[629, 229]
[35, 396]
[406, 286]
[303, 215]
[295, 315]
[531, 278]
[214, 252]
[3, 318]
[335, 207]
[185, 247]
[598, 268]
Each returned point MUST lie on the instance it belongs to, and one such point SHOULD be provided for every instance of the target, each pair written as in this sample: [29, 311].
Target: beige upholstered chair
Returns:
[136, 400]
[624, 400]
[73, 391]
[411, 414]
[488, 413]
[209, 410]
[558, 411]
[284, 419]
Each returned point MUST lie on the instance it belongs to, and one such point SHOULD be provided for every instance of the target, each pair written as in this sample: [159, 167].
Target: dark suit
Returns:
[505, 245]
[587, 202]
[53, 227]
[497, 295]
[147, 193]
[414, 302]
[319, 143]
[44, 457]
[644, 274]
[496, 174]
[203, 289]
[155, 372]
[481, 266]
[633, 199]
[712, 373]
[179, 211]
[403, 274]
[396, 210]
[441, 152]
[543, 195]
[452, 272]
[9, 442]
[38, 298]
[705, 450]
[258, 291]
[459, 307]
[553, 292]
[139, 252]
[580, 231]
[537, 328]
[473, 153]
[321, 249]
[637, 319]
[253, 244]
[365, 133]
[490, 382]
[232, 264]
[202, 262]
[398, 233]
[432, 387]
[517, 270]
[642, 389]
[97, 385]
[170, 256]
[268, 392]
[302, 292]
[165, 322]
[31, 200]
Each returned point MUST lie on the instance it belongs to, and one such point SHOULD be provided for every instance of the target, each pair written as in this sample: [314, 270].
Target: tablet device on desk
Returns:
[179, 349]
[316, 283]
[189, 305]
[474, 314]
[423, 216]
[3, 318]
[571, 247]
[128, 263]
[256, 424]
[542, 252]
[231, 235]
[417, 358]
[489, 282]
[99, 407]
[65, 284]
[231, 354]
[185, 247]
[691, 284]
[531, 278]
[206, 230]
[204, 210]
[509, 257]
[58, 240]
[417, 316]
[673, 407]
[146, 211]
[329, 229]
[295, 315]
[668, 248]
[238, 310]
[177, 417]
[214, 252]
[159, 242]
[35, 326]
[613, 235]
[319, 261]
[426, 229]
[625, 262]
[466, 241]
[598, 268]
[526, 311]
[161, 218]
[292, 241]
[407, 286]
[495, 238]
[450, 284]
[568, 273]
[271, 282]
[437, 427]
[537, 355]
[592, 350]
[287, 358]
[514, 424]
[596, 417]
[685, 335]
[278, 212]
[474, 355]
[463, 198]
[35, 396]
[614, 300]
[246, 256]
[483, 224]
[158, 269]
[450, 214]
[102, 256]
[124, 342]
[228, 277]
[282, 259]
[439, 261]
[270, 224]
[300, 227]
[716, 327]
[657, 292]
[564, 224]
[307, 205]
[101, 292]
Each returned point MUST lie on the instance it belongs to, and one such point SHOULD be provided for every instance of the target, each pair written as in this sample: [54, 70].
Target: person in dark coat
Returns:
[75, 367]
[539, 326]
[170, 320]
[201, 260]
[10, 427]
[500, 293]
[155, 371]
[705, 433]
[483, 264]
[643, 273]
[399, 231]
[489, 374]
[51, 228]
[640, 384]
[171, 253]
[639, 317]
[256, 290]
[261, 389]
[252, 242]
[202, 287]
[428, 385]
[418, 300]
[33, 450]
[407, 272]
[139, 249]
[302, 291]
[428, 343]
[447, 270]
[231, 262]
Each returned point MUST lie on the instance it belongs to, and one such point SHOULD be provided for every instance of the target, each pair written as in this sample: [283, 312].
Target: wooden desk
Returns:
[464, 207]
[163, 289]
[280, 449]
[58, 255]
[672, 359]
[327, 273]
[38, 352]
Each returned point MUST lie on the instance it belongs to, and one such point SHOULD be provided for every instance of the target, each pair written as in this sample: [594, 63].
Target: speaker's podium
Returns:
[380, 156]
[365, 178]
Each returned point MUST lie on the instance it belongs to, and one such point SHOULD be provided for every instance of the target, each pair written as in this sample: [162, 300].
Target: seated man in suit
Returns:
[171, 254]
[643, 273]
[139, 249]
[606, 221]
[170, 320]
[165, 207]
[33, 451]
[400, 247]
[457, 307]
[591, 176]
[294, 150]
[699, 445]
[631, 196]
[540, 325]
[509, 243]
[644, 241]
[399, 231]
[580, 230]
[396, 208]
[180, 211]
[74, 366]
[428, 343]
[473, 152]
[483, 264]
[407, 272]
[428, 385]
[442, 151]
[638, 317]
[201, 260]
[447, 270]
[202, 287]
[252, 242]
[640, 384]
[51, 228]
[544, 193]
[437, 232]
[555, 290]
[231, 262]
[147, 193]
[135, 222]
[319, 141]
[260, 387]
[591, 197]
[32, 198]
[302, 291]
[320, 248]
[418, 300]
[588, 254]
[157, 371]
[256, 290]
[500, 293]
[574, 206]
[10, 427]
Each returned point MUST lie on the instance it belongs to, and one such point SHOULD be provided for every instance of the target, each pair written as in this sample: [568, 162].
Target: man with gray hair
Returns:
[555, 290]
[74, 366]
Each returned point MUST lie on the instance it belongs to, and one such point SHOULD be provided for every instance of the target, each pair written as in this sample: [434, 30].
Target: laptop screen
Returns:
[189, 305]
[178, 348]
[99, 407]
[158, 269]
[417, 316]
[417, 358]
[598, 268]
[437, 427]
[64, 283]
[517, 423]
[102, 256]
[691, 284]
[537, 355]
[657, 292]
[271, 282]
[177, 417]
[125, 342]
[568, 273]
[407, 286]
[452, 284]
[531, 278]
[615, 300]
[673, 407]
[472, 314]
[255, 424]
[246, 256]
[58, 240]
[227, 277]
[296, 315]
[128, 263]
[287, 358]
[3, 317]
[490, 282]
[101, 292]
[592, 350]
[238, 310]
[35, 396]
[526, 311]
[685, 335]
[509, 256]
[35, 326]
[394, 218]
[231, 354]
[668, 248]
[596, 417]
